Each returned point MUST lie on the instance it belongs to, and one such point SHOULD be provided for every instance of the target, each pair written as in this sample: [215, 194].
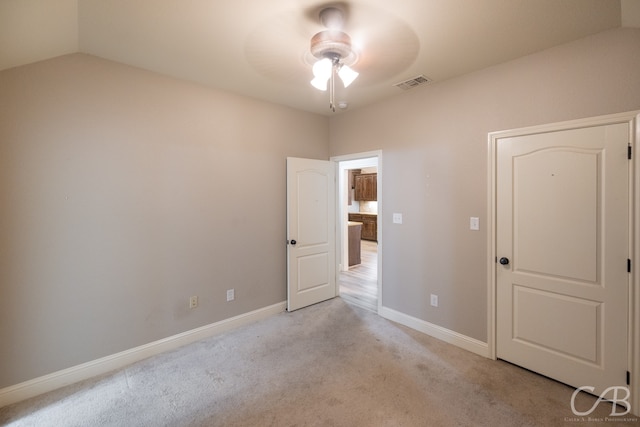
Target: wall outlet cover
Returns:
[193, 302]
[434, 300]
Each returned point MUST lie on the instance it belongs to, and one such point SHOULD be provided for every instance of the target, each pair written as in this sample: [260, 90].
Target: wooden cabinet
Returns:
[366, 187]
[352, 184]
[369, 225]
[370, 228]
[355, 233]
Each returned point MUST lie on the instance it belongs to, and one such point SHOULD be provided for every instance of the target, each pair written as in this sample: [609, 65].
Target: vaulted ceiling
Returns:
[260, 48]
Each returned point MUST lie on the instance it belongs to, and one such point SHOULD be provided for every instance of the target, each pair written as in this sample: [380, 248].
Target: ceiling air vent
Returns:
[414, 82]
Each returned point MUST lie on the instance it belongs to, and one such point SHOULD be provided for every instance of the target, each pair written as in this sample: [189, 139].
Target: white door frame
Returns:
[341, 214]
[633, 119]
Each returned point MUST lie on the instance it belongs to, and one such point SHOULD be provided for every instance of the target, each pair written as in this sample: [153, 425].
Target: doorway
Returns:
[359, 229]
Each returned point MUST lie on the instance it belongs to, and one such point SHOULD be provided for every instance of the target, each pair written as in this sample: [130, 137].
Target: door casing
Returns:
[341, 214]
[633, 119]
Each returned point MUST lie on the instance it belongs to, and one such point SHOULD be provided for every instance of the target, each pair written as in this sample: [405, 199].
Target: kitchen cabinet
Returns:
[352, 184]
[355, 233]
[366, 187]
[369, 224]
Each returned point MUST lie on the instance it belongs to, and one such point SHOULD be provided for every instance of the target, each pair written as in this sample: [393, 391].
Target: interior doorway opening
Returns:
[359, 210]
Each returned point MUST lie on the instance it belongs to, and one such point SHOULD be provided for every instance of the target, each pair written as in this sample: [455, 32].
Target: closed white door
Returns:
[562, 245]
[311, 275]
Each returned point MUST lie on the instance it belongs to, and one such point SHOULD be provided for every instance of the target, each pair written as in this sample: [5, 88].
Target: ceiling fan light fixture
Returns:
[333, 49]
[347, 75]
[320, 84]
[322, 68]
[322, 71]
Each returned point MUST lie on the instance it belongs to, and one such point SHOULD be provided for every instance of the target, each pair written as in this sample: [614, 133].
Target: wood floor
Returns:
[359, 285]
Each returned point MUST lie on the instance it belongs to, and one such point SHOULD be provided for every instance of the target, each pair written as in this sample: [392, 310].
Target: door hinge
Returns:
[628, 378]
[628, 265]
[629, 151]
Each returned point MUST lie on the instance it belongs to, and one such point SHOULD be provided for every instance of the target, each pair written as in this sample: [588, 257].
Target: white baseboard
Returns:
[46, 383]
[443, 334]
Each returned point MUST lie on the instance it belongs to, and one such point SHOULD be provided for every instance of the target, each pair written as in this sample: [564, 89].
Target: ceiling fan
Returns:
[355, 35]
[332, 47]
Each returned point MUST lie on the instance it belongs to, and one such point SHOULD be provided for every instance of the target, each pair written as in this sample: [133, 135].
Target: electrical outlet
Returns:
[231, 295]
[434, 300]
[193, 302]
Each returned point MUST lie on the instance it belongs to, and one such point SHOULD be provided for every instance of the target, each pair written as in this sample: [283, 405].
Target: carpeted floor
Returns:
[331, 364]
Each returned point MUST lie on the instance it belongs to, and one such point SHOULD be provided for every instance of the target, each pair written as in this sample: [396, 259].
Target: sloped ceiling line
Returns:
[259, 49]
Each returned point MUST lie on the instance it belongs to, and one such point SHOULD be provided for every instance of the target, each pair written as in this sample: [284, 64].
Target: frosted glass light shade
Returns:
[347, 75]
[319, 83]
[322, 68]
[322, 72]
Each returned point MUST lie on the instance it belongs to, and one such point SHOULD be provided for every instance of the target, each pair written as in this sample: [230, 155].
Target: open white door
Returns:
[311, 272]
[562, 245]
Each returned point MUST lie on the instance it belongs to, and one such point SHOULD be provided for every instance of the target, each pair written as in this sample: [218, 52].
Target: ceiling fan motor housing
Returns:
[333, 44]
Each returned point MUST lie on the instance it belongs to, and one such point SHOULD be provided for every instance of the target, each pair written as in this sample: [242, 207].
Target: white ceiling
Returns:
[260, 48]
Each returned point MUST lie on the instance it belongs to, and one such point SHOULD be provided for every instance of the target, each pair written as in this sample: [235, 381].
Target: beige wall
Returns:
[123, 193]
[434, 144]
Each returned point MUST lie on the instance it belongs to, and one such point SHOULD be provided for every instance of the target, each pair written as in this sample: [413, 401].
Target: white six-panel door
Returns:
[311, 271]
[562, 244]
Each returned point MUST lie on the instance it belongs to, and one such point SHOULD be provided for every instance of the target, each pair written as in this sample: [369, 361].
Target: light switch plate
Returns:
[474, 223]
[397, 218]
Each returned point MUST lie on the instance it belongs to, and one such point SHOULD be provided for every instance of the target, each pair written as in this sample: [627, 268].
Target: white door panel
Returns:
[557, 323]
[310, 224]
[540, 179]
[563, 223]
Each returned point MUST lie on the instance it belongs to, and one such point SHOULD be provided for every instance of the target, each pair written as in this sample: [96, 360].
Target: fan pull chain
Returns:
[332, 84]
[332, 90]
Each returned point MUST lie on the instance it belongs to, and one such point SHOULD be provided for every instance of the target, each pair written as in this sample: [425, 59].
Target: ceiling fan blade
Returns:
[385, 45]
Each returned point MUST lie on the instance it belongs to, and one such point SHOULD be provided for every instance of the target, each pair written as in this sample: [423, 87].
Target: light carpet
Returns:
[331, 364]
